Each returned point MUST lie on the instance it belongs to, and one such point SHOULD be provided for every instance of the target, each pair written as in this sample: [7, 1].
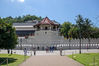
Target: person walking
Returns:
[61, 51]
[46, 49]
[34, 51]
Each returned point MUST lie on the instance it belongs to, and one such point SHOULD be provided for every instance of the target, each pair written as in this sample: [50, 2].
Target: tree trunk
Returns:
[11, 51]
[8, 51]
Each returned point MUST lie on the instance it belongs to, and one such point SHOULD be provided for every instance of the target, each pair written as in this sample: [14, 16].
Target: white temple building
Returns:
[46, 33]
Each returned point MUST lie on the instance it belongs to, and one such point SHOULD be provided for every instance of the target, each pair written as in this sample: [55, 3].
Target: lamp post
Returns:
[69, 43]
[21, 43]
[26, 37]
[80, 39]
[80, 47]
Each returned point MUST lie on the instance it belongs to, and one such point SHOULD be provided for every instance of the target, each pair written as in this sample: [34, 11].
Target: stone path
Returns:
[50, 61]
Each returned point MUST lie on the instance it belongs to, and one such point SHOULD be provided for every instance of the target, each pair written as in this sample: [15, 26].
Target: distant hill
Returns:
[21, 19]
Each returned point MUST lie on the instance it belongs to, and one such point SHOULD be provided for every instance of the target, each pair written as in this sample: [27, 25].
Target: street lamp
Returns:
[80, 39]
[26, 37]
[21, 43]
[69, 43]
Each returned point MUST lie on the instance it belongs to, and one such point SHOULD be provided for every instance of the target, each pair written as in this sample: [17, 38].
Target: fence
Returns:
[65, 44]
[5, 61]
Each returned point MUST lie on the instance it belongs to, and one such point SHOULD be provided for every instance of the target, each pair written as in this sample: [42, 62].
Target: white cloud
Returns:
[17, 1]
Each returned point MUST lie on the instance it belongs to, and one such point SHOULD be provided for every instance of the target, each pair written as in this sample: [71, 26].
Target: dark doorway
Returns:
[46, 28]
[54, 28]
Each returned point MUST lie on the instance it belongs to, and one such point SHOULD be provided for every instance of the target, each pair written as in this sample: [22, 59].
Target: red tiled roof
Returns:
[46, 21]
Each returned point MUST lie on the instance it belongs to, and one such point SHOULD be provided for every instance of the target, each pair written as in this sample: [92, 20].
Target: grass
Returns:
[13, 60]
[87, 59]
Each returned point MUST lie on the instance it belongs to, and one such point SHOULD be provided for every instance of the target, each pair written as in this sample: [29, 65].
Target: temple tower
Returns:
[46, 31]
[46, 24]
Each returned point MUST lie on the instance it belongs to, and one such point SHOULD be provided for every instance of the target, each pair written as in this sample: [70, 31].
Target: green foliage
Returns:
[84, 26]
[82, 29]
[73, 32]
[8, 38]
[29, 17]
[13, 60]
[21, 18]
[66, 26]
[87, 59]
[94, 32]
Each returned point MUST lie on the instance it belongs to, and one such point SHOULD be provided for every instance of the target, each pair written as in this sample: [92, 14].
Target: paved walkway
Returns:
[50, 61]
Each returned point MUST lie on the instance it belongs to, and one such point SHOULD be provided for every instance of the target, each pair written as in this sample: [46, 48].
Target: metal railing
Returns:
[5, 61]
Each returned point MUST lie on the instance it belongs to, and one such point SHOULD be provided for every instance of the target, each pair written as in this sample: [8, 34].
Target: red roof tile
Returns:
[46, 21]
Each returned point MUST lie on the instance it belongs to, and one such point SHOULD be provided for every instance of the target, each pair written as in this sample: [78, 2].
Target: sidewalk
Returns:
[50, 61]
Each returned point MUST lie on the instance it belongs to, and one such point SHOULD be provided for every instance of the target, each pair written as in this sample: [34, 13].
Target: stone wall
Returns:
[65, 44]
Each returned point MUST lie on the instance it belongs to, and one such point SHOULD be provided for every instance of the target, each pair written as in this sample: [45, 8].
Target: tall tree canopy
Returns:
[73, 32]
[84, 26]
[66, 26]
[8, 38]
[82, 29]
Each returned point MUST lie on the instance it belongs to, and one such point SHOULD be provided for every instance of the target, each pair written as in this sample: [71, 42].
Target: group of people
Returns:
[51, 49]
[25, 51]
[48, 49]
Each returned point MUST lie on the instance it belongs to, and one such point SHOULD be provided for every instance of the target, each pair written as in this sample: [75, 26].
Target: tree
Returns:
[31, 17]
[8, 38]
[21, 18]
[94, 32]
[87, 28]
[79, 23]
[84, 26]
[65, 29]
[73, 32]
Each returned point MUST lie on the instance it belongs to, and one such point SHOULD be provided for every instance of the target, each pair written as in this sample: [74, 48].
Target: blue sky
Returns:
[59, 10]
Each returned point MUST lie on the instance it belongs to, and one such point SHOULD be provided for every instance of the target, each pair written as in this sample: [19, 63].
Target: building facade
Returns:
[30, 27]
[46, 34]
[37, 33]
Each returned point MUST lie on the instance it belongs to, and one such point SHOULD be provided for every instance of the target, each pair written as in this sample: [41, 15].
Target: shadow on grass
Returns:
[3, 60]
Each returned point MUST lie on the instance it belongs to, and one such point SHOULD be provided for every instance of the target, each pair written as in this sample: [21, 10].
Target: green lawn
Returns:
[87, 59]
[13, 60]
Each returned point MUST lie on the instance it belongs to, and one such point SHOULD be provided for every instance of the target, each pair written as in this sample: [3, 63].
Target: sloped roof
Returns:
[46, 21]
